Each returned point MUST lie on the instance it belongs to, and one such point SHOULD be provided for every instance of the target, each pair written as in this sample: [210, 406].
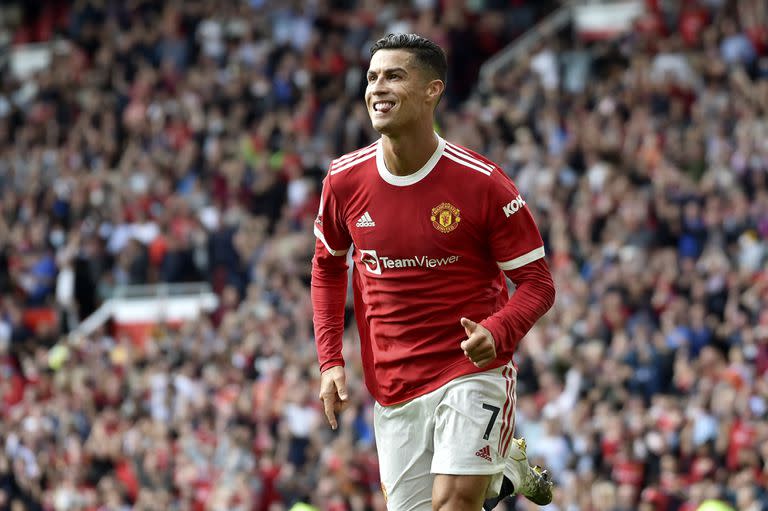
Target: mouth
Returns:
[382, 107]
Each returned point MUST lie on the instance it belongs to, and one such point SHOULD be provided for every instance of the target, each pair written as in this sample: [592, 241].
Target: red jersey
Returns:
[428, 249]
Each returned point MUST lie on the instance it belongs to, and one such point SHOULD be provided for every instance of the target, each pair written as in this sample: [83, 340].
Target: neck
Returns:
[405, 154]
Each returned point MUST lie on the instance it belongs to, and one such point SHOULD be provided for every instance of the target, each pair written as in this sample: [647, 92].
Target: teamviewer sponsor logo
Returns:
[375, 263]
[418, 262]
[514, 206]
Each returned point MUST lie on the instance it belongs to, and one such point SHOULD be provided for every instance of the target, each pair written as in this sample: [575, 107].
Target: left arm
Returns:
[518, 250]
[534, 296]
[501, 332]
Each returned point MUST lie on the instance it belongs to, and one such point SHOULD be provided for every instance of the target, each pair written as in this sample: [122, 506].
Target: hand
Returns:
[479, 347]
[333, 393]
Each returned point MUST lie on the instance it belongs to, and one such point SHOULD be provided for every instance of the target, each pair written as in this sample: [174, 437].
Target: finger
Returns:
[341, 386]
[470, 344]
[481, 356]
[483, 362]
[340, 406]
[329, 404]
[471, 349]
[469, 325]
[481, 350]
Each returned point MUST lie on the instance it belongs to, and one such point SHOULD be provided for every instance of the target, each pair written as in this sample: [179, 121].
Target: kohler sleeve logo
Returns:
[514, 206]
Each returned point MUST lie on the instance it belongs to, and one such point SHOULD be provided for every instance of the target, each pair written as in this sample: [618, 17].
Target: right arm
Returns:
[328, 293]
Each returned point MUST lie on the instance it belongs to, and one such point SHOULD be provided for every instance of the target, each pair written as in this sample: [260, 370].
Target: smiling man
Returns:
[435, 229]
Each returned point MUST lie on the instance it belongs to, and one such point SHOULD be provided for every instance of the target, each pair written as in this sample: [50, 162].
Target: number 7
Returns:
[494, 413]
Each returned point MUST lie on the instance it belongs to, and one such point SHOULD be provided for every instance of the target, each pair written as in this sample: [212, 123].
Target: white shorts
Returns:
[463, 428]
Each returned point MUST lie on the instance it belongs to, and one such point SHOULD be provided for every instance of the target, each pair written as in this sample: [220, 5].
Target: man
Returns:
[435, 227]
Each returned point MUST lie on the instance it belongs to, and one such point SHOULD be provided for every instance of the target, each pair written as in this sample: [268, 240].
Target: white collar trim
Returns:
[410, 179]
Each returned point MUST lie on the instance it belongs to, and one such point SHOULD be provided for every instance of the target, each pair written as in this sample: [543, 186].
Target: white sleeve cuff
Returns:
[517, 262]
[321, 237]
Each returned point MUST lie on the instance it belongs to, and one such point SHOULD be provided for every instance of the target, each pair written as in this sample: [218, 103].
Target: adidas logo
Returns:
[365, 221]
[485, 453]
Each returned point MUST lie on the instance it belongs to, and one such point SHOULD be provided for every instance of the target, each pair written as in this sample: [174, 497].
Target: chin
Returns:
[380, 126]
[384, 126]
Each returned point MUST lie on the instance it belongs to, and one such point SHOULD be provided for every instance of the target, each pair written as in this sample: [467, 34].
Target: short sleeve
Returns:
[329, 224]
[514, 237]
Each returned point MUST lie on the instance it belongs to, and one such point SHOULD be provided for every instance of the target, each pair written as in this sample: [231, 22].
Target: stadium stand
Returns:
[183, 141]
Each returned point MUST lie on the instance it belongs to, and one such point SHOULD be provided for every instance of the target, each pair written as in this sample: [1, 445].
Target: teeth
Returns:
[383, 104]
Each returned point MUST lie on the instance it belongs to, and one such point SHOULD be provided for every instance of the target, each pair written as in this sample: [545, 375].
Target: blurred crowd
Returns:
[646, 160]
[185, 141]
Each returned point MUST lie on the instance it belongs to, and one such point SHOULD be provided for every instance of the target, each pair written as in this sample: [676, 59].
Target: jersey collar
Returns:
[410, 179]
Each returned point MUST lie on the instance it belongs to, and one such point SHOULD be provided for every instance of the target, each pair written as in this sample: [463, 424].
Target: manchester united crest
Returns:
[445, 217]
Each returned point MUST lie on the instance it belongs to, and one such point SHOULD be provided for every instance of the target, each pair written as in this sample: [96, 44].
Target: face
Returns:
[399, 94]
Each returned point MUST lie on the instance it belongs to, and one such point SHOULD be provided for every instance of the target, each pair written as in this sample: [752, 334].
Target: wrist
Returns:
[331, 364]
[496, 329]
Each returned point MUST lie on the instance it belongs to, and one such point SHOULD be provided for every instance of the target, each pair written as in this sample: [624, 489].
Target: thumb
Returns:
[468, 325]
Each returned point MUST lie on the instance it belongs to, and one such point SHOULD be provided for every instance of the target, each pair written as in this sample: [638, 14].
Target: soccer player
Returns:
[435, 227]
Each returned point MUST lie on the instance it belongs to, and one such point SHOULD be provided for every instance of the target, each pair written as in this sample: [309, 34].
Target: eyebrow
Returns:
[388, 70]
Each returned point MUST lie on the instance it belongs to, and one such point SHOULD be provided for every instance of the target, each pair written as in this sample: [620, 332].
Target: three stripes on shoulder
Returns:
[451, 151]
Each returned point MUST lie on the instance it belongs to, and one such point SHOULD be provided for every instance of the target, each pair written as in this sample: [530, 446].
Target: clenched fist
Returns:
[479, 346]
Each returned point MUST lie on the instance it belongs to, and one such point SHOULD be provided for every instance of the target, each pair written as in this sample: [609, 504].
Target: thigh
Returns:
[404, 446]
[473, 426]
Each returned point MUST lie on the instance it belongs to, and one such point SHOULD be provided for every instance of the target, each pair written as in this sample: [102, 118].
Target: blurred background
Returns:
[160, 164]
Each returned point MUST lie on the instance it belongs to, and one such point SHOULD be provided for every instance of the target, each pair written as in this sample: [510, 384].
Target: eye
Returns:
[371, 78]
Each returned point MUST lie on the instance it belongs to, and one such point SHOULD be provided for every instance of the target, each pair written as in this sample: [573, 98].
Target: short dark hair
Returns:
[429, 54]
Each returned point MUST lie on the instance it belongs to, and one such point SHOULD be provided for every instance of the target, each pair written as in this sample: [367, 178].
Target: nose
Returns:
[377, 87]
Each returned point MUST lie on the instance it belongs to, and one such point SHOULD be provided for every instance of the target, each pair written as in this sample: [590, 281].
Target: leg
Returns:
[404, 445]
[534, 483]
[472, 423]
[459, 493]
[520, 478]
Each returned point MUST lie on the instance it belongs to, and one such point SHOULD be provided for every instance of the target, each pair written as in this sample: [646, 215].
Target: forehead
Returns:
[386, 59]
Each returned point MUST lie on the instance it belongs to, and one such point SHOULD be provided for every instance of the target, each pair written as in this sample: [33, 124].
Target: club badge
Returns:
[445, 217]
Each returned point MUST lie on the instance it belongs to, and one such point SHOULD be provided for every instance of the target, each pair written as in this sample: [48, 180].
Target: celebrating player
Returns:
[435, 229]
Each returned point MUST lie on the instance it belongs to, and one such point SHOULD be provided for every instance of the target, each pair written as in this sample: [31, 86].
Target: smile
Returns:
[383, 106]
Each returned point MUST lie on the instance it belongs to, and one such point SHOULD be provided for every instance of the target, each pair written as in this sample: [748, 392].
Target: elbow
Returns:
[545, 289]
[329, 267]
[548, 291]
[548, 287]
[551, 294]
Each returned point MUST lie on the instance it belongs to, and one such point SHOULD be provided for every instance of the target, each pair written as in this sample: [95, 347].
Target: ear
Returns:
[435, 89]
